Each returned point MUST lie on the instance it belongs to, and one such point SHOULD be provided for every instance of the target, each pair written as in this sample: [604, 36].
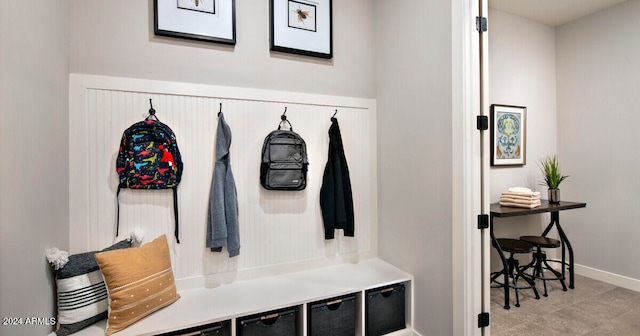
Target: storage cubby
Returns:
[283, 322]
[213, 329]
[385, 310]
[335, 316]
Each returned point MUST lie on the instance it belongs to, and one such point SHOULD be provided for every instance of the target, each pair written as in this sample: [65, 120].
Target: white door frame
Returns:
[485, 149]
[471, 192]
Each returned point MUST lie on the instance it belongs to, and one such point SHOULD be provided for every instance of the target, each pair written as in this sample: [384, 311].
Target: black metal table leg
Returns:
[555, 220]
[565, 240]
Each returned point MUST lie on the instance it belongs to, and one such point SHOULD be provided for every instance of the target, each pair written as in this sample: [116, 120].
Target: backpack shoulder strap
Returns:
[175, 212]
[118, 212]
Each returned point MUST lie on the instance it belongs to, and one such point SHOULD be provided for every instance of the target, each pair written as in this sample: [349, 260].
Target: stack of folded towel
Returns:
[520, 197]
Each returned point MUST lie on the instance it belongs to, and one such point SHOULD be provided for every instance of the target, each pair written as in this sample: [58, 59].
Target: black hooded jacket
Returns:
[336, 199]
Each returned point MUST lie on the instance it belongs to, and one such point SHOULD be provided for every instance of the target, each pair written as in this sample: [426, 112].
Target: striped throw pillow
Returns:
[82, 295]
[139, 280]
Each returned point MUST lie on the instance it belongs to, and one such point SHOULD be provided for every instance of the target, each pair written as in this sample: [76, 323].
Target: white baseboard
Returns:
[608, 277]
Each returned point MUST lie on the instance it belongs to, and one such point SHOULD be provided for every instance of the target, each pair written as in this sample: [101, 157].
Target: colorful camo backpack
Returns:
[149, 158]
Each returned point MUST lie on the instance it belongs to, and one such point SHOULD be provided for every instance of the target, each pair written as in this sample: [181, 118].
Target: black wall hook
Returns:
[219, 112]
[283, 118]
[334, 115]
[151, 110]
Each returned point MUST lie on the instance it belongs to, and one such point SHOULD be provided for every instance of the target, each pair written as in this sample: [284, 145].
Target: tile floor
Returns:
[593, 308]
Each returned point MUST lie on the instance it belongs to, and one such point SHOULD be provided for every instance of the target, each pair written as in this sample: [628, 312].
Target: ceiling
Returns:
[552, 12]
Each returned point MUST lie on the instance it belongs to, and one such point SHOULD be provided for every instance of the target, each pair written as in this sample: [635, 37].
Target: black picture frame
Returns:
[508, 135]
[302, 27]
[214, 22]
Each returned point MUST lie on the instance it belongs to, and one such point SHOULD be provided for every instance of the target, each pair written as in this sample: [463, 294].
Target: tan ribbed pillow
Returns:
[139, 280]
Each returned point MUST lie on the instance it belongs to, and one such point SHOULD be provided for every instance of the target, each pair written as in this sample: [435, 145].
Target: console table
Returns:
[554, 208]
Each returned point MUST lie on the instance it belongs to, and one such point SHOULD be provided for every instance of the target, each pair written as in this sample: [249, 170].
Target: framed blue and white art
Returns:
[508, 135]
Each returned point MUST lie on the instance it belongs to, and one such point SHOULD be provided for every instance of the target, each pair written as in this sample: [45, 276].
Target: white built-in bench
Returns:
[228, 302]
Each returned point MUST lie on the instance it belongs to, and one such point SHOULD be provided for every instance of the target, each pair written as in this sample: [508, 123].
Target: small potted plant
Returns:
[552, 177]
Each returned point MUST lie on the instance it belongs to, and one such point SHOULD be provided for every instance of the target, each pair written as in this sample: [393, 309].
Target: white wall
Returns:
[116, 38]
[598, 125]
[522, 71]
[34, 181]
[413, 64]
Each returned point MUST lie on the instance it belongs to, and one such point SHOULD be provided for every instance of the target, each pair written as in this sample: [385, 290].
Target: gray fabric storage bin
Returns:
[275, 323]
[212, 329]
[385, 310]
[333, 317]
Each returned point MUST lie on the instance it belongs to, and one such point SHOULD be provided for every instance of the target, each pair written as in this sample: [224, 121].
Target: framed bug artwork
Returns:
[508, 135]
[302, 27]
[203, 20]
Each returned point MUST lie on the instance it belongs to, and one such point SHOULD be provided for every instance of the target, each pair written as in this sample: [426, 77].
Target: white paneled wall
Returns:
[277, 229]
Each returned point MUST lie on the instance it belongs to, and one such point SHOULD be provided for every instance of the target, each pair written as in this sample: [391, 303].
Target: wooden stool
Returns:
[539, 262]
[514, 246]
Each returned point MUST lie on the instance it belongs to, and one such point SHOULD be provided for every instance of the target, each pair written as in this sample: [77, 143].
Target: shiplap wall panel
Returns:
[276, 228]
